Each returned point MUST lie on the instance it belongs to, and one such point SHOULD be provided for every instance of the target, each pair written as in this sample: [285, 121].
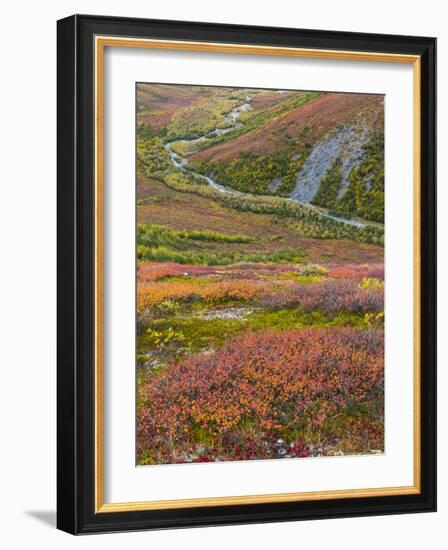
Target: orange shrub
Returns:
[275, 383]
[151, 294]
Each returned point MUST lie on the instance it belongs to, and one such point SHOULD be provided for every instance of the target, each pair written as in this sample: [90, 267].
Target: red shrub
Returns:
[249, 397]
[356, 271]
[152, 271]
[328, 297]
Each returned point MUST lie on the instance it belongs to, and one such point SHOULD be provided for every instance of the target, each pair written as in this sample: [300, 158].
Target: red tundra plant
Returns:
[328, 296]
[254, 397]
[152, 271]
[356, 271]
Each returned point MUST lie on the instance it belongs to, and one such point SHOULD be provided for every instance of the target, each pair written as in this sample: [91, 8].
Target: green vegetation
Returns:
[161, 235]
[193, 333]
[371, 282]
[287, 319]
[159, 201]
[161, 244]
[252, 173]
[200, 119]
[302, 219]
[327, 194]
[152, 155]
[312, 270]
[145, 132]
[250, 120]
[269, 175]
[364, 196]
[166, 254]
[259, 319]
[178, 177]
[153, 161]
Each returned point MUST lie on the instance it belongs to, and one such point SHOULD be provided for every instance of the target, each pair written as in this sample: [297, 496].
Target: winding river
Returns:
[231, 120]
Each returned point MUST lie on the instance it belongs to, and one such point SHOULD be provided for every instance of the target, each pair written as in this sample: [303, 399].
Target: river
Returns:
[231, 119]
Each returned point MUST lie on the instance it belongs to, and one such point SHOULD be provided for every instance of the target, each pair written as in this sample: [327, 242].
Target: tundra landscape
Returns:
[260, 274]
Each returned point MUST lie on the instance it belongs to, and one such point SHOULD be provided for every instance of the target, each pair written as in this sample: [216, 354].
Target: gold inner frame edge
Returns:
[101, 42]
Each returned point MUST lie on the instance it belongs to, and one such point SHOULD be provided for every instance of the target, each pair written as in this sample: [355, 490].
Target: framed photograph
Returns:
[246, 274]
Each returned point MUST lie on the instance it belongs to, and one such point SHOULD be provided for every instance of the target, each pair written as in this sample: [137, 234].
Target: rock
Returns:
[345, 143]
[227, 313]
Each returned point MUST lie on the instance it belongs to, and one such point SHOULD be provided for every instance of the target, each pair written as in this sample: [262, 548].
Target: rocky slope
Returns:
[346, 144]
[324, 148]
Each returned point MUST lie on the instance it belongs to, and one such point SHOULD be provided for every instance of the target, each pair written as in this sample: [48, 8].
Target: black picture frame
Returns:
[76, 271]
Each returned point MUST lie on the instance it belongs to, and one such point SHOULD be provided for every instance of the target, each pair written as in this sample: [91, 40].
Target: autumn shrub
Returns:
[153, 271]
[327, 297]
[371, 283]
[261, 392]
[154, 234]
[311, 270]
[159, 243]
[151, 293]
[306, 221]
[197, 120]
[162, 253]
[356, 271]
[152, 157]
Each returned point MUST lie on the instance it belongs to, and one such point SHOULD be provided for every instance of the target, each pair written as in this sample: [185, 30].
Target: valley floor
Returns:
[252, 341]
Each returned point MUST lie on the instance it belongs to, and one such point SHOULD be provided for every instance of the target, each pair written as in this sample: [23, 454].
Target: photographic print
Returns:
[260, 274]
[223, 352]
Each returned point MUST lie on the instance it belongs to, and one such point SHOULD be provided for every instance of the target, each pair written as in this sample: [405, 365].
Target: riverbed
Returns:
[231, 122]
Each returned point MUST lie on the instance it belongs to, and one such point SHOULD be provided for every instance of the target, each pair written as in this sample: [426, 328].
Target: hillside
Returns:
[305, 124]
[159, 205]
[325, 149]
[158, 103]
[294, 154]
